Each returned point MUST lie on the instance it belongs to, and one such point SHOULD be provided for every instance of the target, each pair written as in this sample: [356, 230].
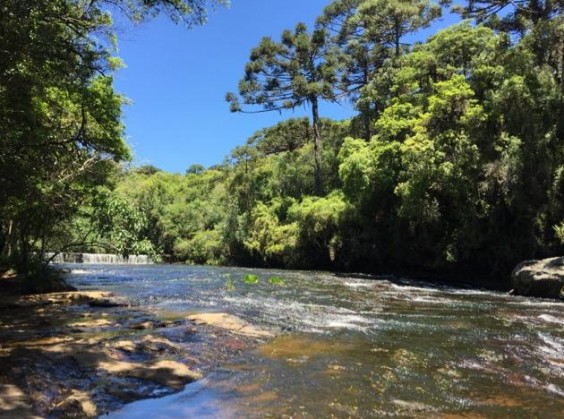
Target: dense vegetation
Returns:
[455, 159]
[61, 136]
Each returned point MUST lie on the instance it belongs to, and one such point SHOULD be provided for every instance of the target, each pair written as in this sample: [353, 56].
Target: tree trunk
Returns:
[366, 111]
[397, 36]
[10, 237]
[317, 146]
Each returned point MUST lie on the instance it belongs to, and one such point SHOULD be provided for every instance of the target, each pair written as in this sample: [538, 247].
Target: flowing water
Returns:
[350, 347]
[99, 258]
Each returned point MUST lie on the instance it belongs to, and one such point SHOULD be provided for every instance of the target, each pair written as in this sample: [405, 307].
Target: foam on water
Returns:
[553, 347]
[354, 285]
[551, 319]
[80, 272]
[555, 389]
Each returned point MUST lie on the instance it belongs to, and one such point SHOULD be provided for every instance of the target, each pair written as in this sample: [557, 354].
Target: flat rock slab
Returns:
[230, 323]
[99, 298]
[169, 373]
[14, 403]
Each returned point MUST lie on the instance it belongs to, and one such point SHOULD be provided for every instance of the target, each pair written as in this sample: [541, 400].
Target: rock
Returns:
[125, 345]
[230, 323]
[404, 405]
[146, 324]
[14, 403]
[93, 323]
[539, 278]
[169, 373]
[106, 303]
[54, 298]
[80, 403]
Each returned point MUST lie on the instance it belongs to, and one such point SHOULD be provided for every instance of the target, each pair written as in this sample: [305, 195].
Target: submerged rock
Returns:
[539, 278]
[231, 323]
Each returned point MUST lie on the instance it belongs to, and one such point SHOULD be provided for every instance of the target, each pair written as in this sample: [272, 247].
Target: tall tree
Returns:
[296, 71]
[541, 20]
[367, 33]
[511, 15]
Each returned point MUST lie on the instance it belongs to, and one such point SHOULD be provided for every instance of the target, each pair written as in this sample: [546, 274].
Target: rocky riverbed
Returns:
[82, 354]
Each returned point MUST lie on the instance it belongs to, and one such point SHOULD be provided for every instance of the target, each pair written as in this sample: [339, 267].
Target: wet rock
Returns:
[408, 406]
[94, 323]
[539, 278]
[152, 343]
[105, 302]
[55, 298]
[168, 373]
[231, 323]
[77, 403]
[144, 325]
[14, 403]
[63, 357]
[125, 345]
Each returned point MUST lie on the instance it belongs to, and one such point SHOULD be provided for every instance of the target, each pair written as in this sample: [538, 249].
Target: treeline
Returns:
[456, 157]
[454, 160]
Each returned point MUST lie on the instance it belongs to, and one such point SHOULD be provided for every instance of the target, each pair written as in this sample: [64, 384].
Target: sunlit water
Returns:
[350, 347]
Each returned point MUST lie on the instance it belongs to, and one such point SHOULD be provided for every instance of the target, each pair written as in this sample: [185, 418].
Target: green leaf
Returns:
[251, 279]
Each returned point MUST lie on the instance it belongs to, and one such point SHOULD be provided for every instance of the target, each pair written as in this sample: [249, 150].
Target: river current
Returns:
[353, 347]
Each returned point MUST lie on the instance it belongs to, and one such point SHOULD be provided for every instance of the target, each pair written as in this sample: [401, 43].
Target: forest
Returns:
[454, 161]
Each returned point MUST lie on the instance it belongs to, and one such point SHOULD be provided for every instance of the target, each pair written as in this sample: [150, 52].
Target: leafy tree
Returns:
[147, 169]
[511, 15]
[288, 136]
[367, 33]
[61, 133]
[195, 169]
[293, 72]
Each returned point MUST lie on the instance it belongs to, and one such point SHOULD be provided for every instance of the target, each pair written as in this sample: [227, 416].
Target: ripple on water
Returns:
[552, 350]
[369, 343]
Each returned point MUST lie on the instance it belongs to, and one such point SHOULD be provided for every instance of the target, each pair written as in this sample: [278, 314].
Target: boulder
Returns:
[539, 278]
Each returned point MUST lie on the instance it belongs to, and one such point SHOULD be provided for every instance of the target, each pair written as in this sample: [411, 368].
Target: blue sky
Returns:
[177, 79]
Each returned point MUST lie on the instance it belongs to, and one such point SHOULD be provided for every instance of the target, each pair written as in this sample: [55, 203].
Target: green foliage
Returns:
[275, 280]
[251, 279]
[62, 136]
[298, 70]
[118, 226]
[269, 237]
[460, 163]
[559, 231]
[230, 284]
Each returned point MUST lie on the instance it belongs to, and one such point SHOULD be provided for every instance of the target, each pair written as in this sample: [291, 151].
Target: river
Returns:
[354, 347]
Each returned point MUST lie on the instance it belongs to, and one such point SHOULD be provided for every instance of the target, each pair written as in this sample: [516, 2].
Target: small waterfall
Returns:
[100, 258]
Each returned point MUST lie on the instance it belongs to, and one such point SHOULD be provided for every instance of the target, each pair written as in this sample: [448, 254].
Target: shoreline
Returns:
[88, 353]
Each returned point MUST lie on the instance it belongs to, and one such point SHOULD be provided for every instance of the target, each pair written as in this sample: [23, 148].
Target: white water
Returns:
[350, 347]
[100, 259]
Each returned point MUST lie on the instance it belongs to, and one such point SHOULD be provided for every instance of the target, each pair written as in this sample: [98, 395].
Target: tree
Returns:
[284, 75]
[288, 135]
[61, 133]
[195, 169]
[510, 15]
[366, 34]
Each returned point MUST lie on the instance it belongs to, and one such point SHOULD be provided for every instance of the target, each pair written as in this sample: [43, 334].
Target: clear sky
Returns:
[177, 79]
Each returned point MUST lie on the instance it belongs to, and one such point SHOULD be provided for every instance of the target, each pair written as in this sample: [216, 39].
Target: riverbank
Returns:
[371, 348]
[83, 354]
